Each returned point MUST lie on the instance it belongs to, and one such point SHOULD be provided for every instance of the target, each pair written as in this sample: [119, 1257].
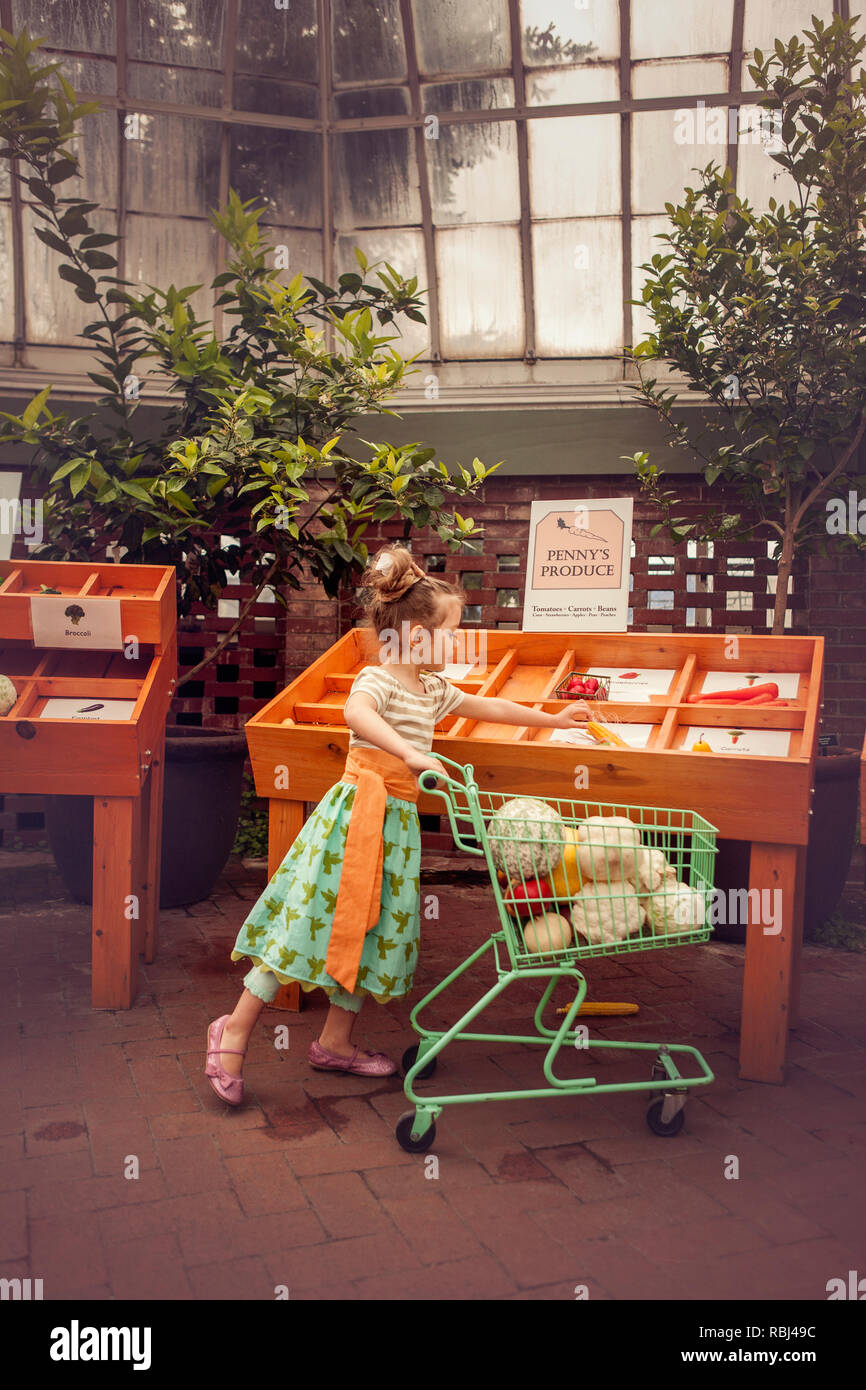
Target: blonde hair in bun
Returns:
[398, 591]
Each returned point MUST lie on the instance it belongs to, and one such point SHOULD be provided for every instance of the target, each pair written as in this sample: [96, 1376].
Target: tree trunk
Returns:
[786, 564]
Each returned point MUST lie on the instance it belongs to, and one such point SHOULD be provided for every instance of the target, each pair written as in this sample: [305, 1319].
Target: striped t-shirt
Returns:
[412, 716]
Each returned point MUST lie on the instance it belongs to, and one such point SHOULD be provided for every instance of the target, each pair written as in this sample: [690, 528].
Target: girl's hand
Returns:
[577, 711]
[422, 762]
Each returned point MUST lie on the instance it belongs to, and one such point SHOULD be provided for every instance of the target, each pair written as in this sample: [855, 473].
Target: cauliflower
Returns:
[602, 915]
[649, 871]
[8, 695]
[607, 848]
[526, 836]
[677, 908]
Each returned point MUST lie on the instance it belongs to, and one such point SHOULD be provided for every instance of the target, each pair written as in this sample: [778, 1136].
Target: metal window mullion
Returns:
[423, 180]
[323, 11]
[229, 43]
[523, 181]
[734, 79]
[120, 72]
[19, 307]
[625, 142]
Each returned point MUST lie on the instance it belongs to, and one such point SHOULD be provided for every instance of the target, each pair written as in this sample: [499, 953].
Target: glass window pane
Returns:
[375, 101]
[275, 98]
[367, 37]
[482, 94]
[281, 43]
[96, 143]
[375, 179]
[473, 173]
[402, 248]
[644, 245]
[54, 312]
[84, 25]
[678, 79]
[555, 87]
[662, 30]
[480, 291]
[667, 146]
[574, 165]
[172, 164]
[768, 20]
[578, 287]
[7, 299]
[294, 252]
[167, 250]
[281, 168]
[559, 31]
[154, 83]
[453, 36]
[183, 31]
[90, 75]
[760, 178]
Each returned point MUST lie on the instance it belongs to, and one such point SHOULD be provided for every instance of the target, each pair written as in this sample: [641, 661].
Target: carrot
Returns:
[767, 699]
[745, 693]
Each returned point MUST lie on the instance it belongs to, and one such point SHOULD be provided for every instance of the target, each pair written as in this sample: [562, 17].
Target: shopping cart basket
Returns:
[664, 907]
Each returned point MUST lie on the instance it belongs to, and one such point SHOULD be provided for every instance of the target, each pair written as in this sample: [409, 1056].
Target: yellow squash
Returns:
[565, 879]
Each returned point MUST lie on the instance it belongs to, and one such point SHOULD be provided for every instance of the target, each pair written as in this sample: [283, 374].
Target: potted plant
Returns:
[252, 446]
[763, 314]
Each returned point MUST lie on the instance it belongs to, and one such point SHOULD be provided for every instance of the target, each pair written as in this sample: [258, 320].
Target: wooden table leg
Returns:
[285, 819]
[116, 883]
[151, 796]
[767, 978]
[799, 912]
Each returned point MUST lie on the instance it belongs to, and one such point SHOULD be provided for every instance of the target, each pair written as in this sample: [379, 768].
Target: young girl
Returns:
[342, 911]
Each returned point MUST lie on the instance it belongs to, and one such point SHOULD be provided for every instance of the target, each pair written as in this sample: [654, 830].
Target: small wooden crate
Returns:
[119, 762]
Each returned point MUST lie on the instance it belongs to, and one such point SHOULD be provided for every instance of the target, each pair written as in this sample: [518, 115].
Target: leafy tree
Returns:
[252, 444]
[764, 314]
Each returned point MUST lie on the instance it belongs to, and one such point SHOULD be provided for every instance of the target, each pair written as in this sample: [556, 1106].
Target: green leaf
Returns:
[51, 240]
[79, 478]
[34, 409]
[62, 170]
[99, 260]
[65, 469]
[78, 277]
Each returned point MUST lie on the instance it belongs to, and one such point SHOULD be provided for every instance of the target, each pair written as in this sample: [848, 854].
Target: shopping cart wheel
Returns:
[658, 1074]
[404, 1135]
[658, 1125]
[410, 1056]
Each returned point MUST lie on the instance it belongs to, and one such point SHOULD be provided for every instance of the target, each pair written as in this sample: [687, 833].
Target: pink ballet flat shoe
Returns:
[228, 1088]
[377, 1065]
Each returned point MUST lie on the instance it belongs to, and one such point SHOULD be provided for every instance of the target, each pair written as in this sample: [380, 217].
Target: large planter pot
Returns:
[201, 808]
[831, 843]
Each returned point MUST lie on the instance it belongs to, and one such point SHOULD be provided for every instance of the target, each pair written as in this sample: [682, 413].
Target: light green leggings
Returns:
[264, 984]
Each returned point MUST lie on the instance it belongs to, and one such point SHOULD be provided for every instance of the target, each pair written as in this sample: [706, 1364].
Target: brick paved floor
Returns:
[306, 1186]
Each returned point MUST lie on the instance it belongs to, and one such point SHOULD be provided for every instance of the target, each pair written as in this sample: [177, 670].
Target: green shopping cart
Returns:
[593, 879]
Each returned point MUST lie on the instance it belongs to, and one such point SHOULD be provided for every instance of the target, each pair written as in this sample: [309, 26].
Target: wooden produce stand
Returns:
[49, 748]
[755, 784]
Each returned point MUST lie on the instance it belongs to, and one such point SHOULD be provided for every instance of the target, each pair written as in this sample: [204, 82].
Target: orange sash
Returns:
[378, 775]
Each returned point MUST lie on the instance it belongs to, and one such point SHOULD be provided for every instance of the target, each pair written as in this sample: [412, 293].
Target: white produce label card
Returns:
[87, 707]
[456, 670]
[59, 620]
[634, 684]
[787, 681]
[635, 735]
[771, 743]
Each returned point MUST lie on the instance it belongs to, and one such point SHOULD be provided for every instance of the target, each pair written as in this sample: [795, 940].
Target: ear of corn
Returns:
[604, 734]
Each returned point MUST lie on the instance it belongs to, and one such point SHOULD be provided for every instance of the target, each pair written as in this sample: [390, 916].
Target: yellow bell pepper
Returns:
[566, 879]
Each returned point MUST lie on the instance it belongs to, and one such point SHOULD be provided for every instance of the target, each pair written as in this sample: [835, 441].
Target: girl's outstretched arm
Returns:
[495, 711]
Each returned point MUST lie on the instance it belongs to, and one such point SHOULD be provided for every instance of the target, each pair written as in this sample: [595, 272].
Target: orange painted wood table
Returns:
[49, 747]
[755, 783]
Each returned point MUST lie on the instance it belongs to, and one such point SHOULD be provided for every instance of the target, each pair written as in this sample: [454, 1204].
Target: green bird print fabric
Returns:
[289, 928]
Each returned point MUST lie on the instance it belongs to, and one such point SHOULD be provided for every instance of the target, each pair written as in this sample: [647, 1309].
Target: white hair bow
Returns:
[385, 563]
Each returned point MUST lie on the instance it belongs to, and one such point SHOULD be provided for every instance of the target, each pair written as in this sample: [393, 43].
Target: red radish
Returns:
[591, 684]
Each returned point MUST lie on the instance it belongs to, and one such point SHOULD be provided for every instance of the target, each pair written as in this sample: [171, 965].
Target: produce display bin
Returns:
[91, 722]
[752, 778]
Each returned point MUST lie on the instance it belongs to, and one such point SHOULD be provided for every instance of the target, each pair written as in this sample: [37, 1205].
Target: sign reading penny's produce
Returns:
[578, 567]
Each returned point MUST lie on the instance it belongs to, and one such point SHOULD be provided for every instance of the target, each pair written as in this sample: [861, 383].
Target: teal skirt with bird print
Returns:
[289, 928]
